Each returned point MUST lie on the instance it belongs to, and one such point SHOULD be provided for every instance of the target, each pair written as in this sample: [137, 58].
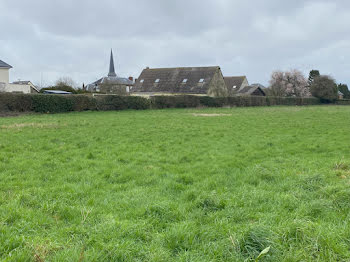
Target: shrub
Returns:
[107, 103]
[83, 103]
[325, 88]
[212, 102]
[15, 102]
[343, 102]
[52, 103]
[159, 102]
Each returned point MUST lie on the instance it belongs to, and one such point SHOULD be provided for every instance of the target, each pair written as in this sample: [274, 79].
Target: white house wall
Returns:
[4, 75]
[10, 88]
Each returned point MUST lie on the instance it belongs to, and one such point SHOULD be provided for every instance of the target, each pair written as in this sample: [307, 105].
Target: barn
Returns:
[181, 80]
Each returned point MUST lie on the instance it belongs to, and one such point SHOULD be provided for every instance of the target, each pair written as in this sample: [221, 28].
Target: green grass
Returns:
[170, 186]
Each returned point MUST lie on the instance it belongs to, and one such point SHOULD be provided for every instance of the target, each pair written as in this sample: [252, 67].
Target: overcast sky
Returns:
[73, 38]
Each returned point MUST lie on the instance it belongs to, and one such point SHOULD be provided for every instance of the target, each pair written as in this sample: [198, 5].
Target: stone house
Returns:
[239, 86]
[235, 83]
[206, 81]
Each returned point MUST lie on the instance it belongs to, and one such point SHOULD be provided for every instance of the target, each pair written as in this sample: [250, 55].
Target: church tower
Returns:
[111, 66]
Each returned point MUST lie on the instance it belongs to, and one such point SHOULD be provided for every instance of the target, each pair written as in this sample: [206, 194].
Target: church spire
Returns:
[111, 66]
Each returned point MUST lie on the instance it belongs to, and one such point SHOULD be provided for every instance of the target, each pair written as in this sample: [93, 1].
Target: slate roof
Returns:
[4, 65]
[250, 90]
[234, 81]
[191, 80]
[109, 80]
[259, 85]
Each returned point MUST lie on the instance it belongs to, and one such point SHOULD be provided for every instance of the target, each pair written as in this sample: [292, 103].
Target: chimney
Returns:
[147, 67]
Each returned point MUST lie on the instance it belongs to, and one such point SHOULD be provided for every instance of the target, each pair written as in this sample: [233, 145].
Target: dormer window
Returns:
[201, 80]
[234, 87]
[184, 81]
[157, 80]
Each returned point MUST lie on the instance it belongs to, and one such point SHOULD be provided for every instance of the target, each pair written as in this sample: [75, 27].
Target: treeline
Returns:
[294, 84]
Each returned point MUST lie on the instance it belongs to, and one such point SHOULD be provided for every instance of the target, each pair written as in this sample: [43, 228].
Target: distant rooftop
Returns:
[4, 65]
[57, 92]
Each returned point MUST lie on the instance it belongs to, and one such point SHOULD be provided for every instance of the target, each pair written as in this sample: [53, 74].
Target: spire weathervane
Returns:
[111, 66]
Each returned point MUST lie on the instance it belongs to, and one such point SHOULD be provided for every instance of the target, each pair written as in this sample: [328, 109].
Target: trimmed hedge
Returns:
[107, 103]
[239, 101]
[15, 103]
[67, 103]
[45, 103]
[60, 104]
[344, 102]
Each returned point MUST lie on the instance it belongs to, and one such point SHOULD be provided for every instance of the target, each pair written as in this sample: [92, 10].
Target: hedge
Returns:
[106, 103]
[239, 101]
[67, 103]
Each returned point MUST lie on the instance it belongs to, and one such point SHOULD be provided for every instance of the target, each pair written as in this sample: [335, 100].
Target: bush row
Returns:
[58, 104]
[45, 103]
[239, 101]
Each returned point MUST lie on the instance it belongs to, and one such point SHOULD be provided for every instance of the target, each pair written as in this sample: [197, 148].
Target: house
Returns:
[252, 90]
[235, 83]
[111, 84]
[239, 86]
[181, 81]
[33, 88]
[4, 72]
[340, 95]
[25, 87]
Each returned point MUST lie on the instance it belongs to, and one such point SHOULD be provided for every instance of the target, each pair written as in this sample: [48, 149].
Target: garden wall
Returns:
[60, 103]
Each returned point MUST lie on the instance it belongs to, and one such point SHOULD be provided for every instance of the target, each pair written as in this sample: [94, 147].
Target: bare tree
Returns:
[277, 84]
[290, 83]
[65, 81]
[296, 84]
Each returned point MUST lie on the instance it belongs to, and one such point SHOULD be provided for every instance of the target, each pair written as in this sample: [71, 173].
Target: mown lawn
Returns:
[169, 185]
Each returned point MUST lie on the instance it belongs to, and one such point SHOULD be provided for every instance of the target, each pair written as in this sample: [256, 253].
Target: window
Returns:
[184, 81]
[142, 80]
[201, 80]
[157, 80]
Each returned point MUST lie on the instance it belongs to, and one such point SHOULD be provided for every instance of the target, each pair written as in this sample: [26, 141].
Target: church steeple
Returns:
[111, 66]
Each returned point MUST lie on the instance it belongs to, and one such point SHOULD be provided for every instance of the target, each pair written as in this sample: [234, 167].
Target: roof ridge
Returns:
[233, 76]
[189, 67]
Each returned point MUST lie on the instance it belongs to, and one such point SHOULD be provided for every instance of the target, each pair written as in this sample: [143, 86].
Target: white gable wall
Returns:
[4, 75]
[10, 88]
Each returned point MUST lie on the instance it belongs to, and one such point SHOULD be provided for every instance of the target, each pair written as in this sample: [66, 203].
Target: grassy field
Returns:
[176, 185]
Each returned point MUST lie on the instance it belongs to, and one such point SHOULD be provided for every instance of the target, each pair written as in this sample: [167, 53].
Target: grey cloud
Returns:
[59, 38]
